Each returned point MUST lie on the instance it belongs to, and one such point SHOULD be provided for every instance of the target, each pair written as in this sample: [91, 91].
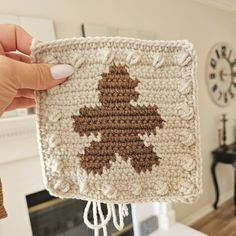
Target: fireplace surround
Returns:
[25, 196]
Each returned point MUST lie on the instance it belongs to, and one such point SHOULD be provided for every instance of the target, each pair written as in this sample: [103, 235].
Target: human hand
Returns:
[18, 78]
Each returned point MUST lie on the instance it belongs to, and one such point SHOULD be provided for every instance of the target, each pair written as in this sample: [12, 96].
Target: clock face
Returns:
[221, 74]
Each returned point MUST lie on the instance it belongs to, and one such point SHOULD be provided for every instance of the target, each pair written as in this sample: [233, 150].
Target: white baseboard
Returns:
[206, 209]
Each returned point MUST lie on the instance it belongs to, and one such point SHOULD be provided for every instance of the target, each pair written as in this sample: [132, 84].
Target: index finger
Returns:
[14, 37]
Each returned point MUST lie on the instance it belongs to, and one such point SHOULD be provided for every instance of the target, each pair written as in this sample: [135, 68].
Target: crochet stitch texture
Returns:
[124, 127]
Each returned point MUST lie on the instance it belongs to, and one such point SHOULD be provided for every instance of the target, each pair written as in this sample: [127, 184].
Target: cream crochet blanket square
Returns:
[124, 128]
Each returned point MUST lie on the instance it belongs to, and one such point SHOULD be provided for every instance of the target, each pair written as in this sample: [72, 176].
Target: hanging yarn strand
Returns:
[111, 212]
[95, 218]
[122, 212]
[96, 225]
[102, 218]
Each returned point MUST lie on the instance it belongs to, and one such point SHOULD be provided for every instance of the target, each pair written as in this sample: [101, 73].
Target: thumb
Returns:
[39, 76]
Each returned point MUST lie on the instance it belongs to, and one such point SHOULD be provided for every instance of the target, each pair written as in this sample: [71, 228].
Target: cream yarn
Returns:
[124, 128]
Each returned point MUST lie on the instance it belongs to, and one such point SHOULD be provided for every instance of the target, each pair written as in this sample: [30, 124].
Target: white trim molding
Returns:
[18, 138]
[226, 5]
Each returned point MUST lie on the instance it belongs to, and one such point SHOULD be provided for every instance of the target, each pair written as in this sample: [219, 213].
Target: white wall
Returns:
[169, 19]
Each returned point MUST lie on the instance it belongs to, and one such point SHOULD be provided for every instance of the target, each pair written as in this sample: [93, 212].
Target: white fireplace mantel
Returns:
[20, 171]
[17, 138]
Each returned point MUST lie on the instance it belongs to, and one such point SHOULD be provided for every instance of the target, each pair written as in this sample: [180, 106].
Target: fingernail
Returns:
[61, 71]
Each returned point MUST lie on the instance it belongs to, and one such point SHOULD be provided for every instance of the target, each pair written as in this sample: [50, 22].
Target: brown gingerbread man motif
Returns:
[120, 124]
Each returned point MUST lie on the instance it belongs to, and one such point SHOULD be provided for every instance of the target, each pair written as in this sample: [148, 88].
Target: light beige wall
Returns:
[169, 19]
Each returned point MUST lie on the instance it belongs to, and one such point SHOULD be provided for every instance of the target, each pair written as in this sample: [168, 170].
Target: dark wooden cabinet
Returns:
[225, 156]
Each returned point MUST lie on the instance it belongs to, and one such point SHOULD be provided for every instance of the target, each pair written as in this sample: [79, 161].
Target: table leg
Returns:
[234, 165]
[213, 172]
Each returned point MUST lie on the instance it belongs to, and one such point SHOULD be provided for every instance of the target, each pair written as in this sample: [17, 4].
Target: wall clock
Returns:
[221, 74]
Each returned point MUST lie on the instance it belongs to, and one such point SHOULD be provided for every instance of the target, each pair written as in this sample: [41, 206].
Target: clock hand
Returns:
[223, 74]
[228, 74]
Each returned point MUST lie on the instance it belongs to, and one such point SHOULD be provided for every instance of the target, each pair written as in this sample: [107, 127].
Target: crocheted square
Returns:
[124, 128]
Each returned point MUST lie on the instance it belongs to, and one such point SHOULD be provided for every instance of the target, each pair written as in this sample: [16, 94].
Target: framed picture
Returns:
[89, 29]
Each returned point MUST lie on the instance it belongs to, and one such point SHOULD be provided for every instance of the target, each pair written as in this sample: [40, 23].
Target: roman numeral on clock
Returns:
[223, 51]
[212, 76]
[225, 98]
[217, 54]
[233, 63]
[233, 74]
[214, 88]
[213, 63]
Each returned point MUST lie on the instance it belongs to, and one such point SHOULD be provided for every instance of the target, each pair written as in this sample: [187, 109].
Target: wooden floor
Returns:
[221, 222]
